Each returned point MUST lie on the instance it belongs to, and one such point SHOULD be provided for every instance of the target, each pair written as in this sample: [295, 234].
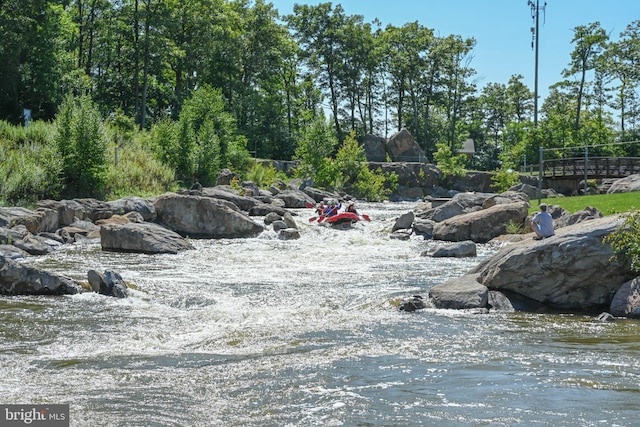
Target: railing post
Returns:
[586, 162]
[540, 177]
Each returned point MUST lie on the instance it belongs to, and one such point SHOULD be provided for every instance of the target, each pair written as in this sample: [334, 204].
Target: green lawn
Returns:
[608, 204]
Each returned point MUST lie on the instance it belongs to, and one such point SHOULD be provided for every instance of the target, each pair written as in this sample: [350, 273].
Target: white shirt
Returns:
[544, 223]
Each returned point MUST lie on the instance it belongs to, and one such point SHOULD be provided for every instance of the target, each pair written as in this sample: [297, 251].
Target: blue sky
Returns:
[502, 29]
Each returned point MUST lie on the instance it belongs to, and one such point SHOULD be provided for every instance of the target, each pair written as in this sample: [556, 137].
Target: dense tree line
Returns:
[273, 76]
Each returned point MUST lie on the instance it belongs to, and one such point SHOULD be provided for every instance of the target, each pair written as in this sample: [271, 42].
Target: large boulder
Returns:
[460, 293]
[588, 213]
[204, 217]
[108, 283]
[626, 301]
[226, 193]
[122, 219]
[478, 181]
[147, 238]
[38, 221]
[263, 209]
[83, 209]
[625, 185]
[295, 198]
[461, 203]
[319, 195]
[572, 270]
[528, 189]
[35, 245]
[506, 197]
[453, 250]
[225, 177]
[20, 279]
[10, 235]
[134, 204]
[375, 148]
[403, 222]
[420, 175]
[403, 148]
[423, 227]
[11, 252]
[483, 225]
[68, 210]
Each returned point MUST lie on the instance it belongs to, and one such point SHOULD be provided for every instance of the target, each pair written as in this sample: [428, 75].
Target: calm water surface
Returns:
[306, 333]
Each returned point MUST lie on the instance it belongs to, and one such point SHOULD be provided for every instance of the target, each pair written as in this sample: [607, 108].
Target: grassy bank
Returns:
[608, 204]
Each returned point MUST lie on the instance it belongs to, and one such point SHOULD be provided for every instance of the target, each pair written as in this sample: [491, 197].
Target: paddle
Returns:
[366, 217]
[311, 206]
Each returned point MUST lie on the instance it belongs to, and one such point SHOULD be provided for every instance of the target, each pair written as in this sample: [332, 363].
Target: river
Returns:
[263, 332]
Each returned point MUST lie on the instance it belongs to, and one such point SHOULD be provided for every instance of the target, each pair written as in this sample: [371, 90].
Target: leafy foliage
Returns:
[82, 142]
[514, 227]
[505, 177]
[264, 175]
[138, 172]
[355, 175]
[235, 74]
[203, 141]
[625, 241]
[29, 163]
[348, 171]
[314, 150]
[449, 163]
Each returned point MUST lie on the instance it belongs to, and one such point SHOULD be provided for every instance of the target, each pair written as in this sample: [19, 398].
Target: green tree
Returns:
[33, 60]
[317, 144]
[589, 42]
[506, 176]
[354, 176]
[447, 162]
[412, 53]
[622, 58]
[208, 135]
[319, 32]
[82, 142]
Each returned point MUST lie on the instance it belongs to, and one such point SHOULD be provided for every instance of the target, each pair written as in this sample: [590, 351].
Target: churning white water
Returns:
[305, 332]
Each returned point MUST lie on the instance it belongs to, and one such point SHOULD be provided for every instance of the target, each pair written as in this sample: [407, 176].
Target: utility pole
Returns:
[535, 43]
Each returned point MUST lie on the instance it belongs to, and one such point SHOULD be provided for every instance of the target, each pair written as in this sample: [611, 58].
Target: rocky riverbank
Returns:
[571, 271]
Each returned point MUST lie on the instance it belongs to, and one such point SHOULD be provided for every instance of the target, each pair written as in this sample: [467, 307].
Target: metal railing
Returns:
[593, 167]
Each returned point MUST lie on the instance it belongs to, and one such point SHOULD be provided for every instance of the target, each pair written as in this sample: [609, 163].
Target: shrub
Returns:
[625, 241]
[137, 173]
[354, 174]
[314, 150]
[209, 137]
[81, 141]
[503, 179]
[514, 227]
[263, 176]
[30, 166]
[449, 163]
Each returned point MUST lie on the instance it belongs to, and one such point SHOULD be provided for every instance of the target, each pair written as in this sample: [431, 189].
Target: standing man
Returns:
[542, 224]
